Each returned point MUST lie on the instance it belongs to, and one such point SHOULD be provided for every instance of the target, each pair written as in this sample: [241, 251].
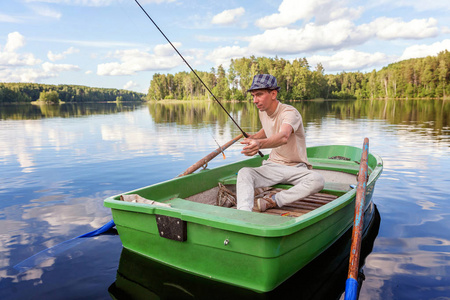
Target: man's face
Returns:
[264, 99]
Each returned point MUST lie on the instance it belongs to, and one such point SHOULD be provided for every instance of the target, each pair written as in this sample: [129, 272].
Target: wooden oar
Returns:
[210, 156]
[351, 285]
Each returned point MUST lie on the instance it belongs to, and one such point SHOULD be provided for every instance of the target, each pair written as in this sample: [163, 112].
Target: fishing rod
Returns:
[195, 73]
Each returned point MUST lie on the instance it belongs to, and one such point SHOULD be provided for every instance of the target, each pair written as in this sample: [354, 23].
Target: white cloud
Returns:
[223, 55]
[15, 41]
[48, 70]
[15, 66]
[425, 50]
[134, 60]
[228, 17]
[389, 28]
[56, 68]
[310, 38]
[58, 56]
[322, 11]
[166, 49]
[9, 57]
[350, 60]
[46, 11]
[338, 34]
[130, 84]
[24, 75]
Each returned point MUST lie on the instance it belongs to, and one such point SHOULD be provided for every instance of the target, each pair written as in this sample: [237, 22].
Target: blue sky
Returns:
[112, 44]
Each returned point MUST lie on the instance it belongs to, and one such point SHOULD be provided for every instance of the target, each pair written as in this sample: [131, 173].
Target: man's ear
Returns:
[274, 94]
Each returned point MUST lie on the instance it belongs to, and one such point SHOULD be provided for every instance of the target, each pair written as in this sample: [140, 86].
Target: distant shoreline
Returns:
[173, 101]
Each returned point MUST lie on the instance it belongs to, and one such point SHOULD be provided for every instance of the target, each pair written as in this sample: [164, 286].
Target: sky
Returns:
[112, 43]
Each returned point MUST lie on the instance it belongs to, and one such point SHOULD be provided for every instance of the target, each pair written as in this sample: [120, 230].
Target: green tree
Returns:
[221, 90]
[49, 97]
[422, 77]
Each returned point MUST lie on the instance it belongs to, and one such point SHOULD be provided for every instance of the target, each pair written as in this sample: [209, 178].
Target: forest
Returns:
[427, 77]
[417, 78]
[29, 92]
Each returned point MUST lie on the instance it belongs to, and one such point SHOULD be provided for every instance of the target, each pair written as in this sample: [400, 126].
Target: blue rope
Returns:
[48, 253]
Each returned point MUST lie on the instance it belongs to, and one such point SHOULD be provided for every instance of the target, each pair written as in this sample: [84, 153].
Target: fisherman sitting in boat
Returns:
[282, 130]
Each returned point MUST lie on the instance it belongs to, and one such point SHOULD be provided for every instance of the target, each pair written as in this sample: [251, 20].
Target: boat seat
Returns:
[329, 186]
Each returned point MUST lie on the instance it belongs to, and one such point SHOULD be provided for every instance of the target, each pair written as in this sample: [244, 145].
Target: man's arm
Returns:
[261, 134]
[254, 143]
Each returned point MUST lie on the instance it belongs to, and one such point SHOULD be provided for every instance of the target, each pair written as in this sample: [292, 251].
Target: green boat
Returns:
[192, 225]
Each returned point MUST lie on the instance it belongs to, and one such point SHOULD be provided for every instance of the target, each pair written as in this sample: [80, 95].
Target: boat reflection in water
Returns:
[139, 277]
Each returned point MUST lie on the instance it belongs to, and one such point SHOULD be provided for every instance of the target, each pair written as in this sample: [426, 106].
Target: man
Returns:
[282, 130]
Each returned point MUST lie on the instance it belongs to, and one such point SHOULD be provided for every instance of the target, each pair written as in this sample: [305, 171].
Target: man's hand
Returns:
[252, 147]
[259, 140]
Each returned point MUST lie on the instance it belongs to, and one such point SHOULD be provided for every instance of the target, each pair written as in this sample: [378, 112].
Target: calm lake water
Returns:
[58, 163]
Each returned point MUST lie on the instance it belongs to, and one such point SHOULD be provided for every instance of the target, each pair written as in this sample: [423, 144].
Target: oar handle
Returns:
[210, 156]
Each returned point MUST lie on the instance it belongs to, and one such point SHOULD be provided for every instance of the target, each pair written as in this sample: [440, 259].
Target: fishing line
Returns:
[220, 147]
[198, 77]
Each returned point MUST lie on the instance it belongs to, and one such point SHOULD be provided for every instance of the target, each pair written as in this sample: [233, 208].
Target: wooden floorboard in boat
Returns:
[303, 206]
[295, 209]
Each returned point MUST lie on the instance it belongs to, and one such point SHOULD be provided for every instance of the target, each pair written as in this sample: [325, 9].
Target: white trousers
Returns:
[305, 182]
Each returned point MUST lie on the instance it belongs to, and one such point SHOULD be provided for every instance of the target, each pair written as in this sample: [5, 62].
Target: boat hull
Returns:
[324, 278]
[246, 249]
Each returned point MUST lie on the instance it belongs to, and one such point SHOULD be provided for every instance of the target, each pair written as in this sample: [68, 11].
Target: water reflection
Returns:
[35, 112]
[139, 277]
[199, 114]
[26, 229]
[425, 263]
[57, 164]
[431, 117]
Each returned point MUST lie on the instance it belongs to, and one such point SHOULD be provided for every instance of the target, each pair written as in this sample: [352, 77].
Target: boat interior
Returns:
[337, 183]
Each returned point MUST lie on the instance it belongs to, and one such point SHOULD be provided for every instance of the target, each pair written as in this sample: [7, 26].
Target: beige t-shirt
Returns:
[294, 152]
